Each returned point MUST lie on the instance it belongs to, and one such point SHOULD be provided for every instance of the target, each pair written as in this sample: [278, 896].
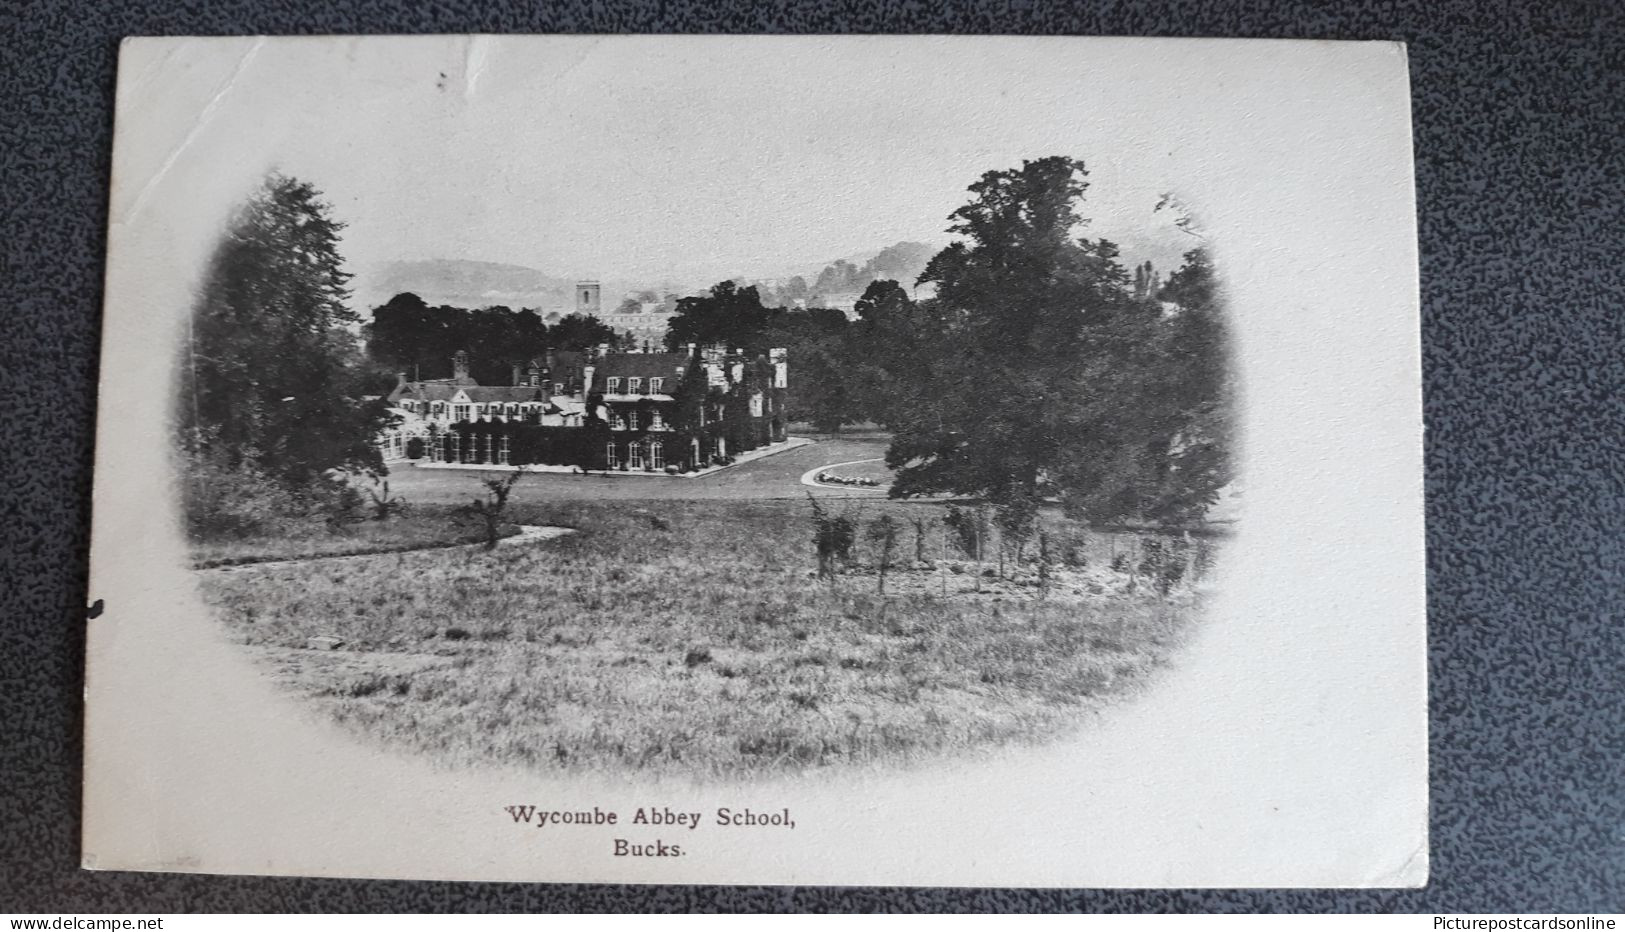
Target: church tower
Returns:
[589, 299]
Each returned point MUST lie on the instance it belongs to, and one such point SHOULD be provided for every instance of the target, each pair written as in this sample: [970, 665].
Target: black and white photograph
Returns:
[761, 460]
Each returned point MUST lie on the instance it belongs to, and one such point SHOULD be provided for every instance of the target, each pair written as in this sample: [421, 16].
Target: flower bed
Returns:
[864, 482]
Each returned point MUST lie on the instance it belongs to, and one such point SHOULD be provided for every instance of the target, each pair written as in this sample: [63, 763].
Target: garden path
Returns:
[528, 534]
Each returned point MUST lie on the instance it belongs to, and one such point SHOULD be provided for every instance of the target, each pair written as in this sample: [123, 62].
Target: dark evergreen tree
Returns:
[270, 374]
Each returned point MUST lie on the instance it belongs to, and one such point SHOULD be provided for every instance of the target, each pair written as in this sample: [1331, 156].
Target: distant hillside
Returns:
[902, 262]
[463, 283]
[473, 284]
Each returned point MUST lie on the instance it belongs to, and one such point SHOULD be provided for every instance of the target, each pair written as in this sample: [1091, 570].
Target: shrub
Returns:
[222, 501]
[833, 537]
[340, 502]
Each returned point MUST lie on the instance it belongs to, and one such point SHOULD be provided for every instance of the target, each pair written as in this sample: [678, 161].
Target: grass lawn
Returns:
[692, 638]
[311, 537]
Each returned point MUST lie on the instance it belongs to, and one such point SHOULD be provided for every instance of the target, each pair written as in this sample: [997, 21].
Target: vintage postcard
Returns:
[761, 460]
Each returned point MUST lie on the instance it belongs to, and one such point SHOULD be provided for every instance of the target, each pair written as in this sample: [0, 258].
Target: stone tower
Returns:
[459, 368]
[589, 299]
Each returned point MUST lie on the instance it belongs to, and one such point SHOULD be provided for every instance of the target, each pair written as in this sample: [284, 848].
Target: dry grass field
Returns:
[693, 638]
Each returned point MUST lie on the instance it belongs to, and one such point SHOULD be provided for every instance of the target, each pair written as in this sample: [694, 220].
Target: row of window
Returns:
[650, 454]
[634, 385]
[450, 448]
[468, 412]
[630, 421]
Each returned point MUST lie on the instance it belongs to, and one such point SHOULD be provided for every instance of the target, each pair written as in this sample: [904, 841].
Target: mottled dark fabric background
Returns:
[1518, 113]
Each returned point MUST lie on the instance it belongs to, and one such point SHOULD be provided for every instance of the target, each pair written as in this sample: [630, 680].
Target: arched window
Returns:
[634, 453]
[657, 455]
[609, 456]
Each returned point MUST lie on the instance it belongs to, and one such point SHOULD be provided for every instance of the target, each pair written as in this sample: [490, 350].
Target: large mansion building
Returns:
[596, 409]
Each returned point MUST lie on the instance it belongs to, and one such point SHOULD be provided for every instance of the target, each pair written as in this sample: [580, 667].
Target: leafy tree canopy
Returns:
[419, 340]
[1043, 374]
[727, 314]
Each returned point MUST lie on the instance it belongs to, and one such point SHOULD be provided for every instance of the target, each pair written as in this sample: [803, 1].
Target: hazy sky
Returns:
[653, 158]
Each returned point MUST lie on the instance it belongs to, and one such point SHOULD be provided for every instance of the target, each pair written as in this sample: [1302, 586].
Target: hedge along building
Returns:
[648, 412]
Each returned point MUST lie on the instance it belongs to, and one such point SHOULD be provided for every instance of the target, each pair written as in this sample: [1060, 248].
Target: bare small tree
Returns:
[1017, 520]
[1043, 564]
[972, 527]
[493, 507]
[883, 533]
[384, 505]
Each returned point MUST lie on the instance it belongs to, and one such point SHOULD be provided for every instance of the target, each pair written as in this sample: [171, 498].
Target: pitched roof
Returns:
[478, 394]
[507, 393]
[639, 365]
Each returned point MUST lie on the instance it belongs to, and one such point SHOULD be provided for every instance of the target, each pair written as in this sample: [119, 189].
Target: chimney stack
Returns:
[459, 368]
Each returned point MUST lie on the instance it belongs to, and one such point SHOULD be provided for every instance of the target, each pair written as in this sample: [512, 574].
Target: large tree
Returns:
[580, 331]
[890, 351]
[727, 315]
[270, 374]
[419, 340]
[1048, 377]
